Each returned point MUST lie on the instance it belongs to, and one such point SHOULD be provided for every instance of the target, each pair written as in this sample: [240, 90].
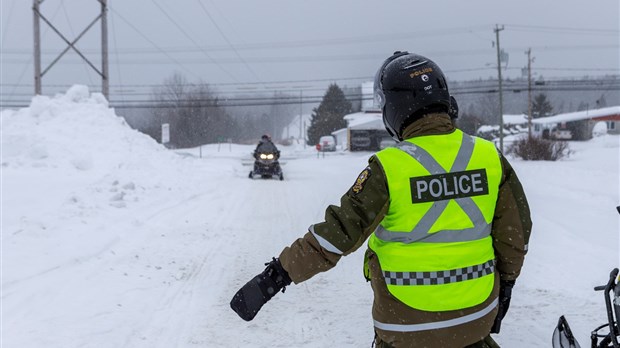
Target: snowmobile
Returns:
[608, 333]
[266, 165]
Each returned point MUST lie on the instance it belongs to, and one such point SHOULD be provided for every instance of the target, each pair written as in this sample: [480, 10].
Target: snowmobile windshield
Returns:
[267, 147]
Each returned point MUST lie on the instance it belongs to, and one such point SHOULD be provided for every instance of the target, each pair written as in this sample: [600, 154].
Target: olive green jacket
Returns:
[346, 227]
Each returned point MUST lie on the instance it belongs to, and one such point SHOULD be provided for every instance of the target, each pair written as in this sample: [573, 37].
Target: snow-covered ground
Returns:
[111, 240]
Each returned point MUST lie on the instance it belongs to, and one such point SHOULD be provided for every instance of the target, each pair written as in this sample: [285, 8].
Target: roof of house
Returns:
[579, 115]
[365, 120]
[515, 119]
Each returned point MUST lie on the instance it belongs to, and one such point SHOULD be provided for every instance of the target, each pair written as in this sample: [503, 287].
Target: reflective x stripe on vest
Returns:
[420, 231]
[444, 260]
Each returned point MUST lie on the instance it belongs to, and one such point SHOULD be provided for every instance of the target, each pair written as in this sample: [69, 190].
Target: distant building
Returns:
[365, 130]
[579, 124]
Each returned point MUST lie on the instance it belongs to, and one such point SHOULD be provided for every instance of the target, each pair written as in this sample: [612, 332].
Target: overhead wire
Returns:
[194, 42]
[151, 41]
[224, 101]
[7, 22]
[350, 40]
[613, 78]
[228, 41]
[571, 30]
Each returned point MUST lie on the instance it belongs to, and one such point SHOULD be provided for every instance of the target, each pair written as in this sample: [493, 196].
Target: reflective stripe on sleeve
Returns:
[438, 324]
[324, 243]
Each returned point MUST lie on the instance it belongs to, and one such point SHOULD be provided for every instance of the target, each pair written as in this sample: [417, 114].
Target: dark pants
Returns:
[487, 342]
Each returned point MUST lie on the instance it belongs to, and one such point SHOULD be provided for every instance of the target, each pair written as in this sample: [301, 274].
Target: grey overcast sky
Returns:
[289, 45]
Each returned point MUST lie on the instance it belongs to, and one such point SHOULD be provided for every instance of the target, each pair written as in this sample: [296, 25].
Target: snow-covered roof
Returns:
[579, 115]
[515, 119]
[365, 120]
[339, 131]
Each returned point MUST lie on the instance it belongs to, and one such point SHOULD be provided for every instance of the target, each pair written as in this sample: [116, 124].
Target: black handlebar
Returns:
[612, 278]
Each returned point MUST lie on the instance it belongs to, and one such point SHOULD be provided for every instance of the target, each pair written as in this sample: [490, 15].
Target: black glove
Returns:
[255, 293]
[505, 292]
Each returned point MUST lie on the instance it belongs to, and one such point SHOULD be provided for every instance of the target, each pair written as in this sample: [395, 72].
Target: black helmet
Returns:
[265, 137]
[408, 86]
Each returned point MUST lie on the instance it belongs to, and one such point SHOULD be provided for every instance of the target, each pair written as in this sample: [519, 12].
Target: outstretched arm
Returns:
[345, 228]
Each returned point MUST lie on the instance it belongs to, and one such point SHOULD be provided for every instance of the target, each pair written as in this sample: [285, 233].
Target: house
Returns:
[579, 124]
[364, 132]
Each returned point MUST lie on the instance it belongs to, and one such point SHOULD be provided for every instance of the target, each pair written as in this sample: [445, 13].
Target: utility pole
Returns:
[300, 112]
[38, 74]
[105, 76]
[529, 93]
[36, 30]
[501, 101]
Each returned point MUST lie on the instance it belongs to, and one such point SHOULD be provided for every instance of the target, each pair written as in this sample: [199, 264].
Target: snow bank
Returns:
[51, 133]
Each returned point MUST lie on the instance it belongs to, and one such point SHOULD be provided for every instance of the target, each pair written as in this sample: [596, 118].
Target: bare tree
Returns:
[193, 112]
[488, 106]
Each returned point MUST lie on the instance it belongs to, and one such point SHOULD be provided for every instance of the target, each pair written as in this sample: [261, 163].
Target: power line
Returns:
[290, 99]
[228, 41]
[8, 20]
[151, 42]
[361, 78]
[193, 41]
[594, 31]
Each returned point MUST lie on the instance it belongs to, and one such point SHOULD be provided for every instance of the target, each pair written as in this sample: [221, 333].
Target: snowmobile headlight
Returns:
[263, 156]
[270, 156]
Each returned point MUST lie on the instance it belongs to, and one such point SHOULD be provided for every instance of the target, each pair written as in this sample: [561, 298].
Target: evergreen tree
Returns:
[328, 117]
[541, 106]
[601, 102]
[469, 123]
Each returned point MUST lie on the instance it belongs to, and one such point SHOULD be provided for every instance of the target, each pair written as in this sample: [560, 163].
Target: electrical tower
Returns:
[38, 74]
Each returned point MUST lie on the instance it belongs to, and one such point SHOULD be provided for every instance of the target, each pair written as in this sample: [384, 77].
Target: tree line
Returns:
[197, 114]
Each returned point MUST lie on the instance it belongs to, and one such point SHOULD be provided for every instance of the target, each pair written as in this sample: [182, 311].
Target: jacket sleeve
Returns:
[345, 228]
[512, 225]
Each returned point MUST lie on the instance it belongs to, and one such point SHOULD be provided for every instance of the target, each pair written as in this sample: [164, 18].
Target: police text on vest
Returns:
[445, 186]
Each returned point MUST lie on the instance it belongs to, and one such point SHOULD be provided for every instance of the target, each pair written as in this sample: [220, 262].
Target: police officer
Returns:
[445, 216]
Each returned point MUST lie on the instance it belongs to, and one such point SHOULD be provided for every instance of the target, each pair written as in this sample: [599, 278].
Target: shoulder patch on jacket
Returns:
[361, 180]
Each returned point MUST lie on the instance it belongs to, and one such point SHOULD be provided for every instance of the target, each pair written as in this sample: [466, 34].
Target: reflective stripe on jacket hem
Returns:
[438, 324]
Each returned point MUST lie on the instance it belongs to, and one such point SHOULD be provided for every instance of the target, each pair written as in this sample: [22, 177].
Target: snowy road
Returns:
[109, 240]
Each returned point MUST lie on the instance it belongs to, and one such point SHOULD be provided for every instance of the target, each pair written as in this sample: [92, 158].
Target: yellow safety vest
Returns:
[434, 244]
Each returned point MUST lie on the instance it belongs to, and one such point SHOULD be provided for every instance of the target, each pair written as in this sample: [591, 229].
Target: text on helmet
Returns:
[420, 72]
